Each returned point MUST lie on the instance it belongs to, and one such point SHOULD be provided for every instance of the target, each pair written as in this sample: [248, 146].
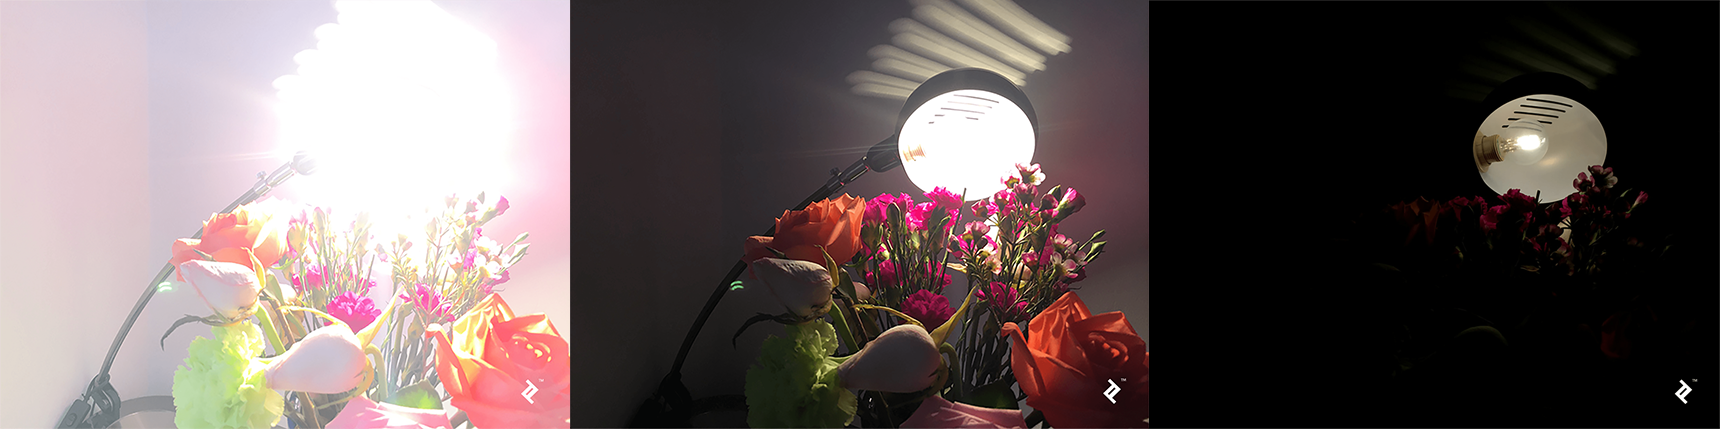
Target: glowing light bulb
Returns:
[965, 140]
[1524, 142]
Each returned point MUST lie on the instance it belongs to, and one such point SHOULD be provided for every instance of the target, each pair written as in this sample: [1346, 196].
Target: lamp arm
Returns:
[100, 385]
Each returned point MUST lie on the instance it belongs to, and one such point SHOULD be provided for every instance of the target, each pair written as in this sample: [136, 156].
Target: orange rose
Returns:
[227, 235]
[505, 371]
[834, 224]
[1070, 359]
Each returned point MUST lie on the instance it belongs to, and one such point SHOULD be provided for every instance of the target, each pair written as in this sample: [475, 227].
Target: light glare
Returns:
[1529, 142]
[402, 103]
[965, 140]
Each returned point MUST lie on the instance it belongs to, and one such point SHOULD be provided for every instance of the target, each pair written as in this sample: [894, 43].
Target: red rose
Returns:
[228, 236]
[834, 224]
[1070, 358]
[504, 371]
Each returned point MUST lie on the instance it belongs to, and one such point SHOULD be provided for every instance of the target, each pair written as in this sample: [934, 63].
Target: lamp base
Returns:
[1485, 150]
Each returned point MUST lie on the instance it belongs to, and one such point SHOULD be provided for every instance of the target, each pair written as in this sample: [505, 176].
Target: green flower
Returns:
[794, 381]
[221, 384]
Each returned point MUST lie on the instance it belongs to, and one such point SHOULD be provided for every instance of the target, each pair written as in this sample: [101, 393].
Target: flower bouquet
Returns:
[1573, 265]
[343, 359]
[879, 269]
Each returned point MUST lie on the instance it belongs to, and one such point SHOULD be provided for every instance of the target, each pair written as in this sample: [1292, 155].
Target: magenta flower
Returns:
[1490, 218]
[1024, 192]
[931, 309]
[876, 211]
[356, 310]
[1004, 301]
[1518, 201]
[885, 277]
[489, 286]
[1641, 197]
[471, 258]
[430, 300]
[1603, 176]
[918, 215]
[312, 280]
[1030, 173]
[1072, 202]
[983, 208]
[1004, 201]
[501, 205]
[944, 198]
[935, 271]
[1061, 243]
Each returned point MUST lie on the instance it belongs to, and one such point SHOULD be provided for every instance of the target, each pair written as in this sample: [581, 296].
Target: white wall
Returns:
[74, 123]
[125, 124]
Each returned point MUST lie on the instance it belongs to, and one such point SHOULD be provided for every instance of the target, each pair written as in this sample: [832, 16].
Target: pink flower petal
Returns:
[937, 412]
[362, 413]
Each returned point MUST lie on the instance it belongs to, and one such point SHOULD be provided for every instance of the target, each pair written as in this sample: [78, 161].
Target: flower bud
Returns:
[803, 287]
[1071, 202]
[297, 234]
[328, 361]
[870, 235]
[901, 360]
[228, 288]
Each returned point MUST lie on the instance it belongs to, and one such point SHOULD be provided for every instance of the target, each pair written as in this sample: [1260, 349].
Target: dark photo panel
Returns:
[1294, 289]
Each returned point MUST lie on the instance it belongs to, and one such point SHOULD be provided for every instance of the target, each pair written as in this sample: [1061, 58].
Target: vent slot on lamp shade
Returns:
[1575, 140]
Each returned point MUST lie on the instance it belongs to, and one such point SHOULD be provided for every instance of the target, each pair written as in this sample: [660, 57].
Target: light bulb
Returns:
[965, 140]
[1524, 142]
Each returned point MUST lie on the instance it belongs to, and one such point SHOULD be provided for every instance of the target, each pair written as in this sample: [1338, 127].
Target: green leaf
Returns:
[994, 395]
[419, 395]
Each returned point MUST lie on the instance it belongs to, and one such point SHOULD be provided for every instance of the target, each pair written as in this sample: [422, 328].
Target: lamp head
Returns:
[961, 130]
[1541, 124]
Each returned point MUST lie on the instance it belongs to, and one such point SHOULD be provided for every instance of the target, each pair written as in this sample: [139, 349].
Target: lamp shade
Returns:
[1574, 138]
[963, 130]
[1552, 107]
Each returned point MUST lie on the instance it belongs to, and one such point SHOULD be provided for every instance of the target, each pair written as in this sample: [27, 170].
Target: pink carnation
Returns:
[944, 198]
[357, 311]
[1004, 300]
[931, 309]
[886, 276]
[431, 301]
